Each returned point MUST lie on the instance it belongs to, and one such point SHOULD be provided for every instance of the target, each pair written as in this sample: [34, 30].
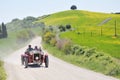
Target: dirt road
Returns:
[58, 69]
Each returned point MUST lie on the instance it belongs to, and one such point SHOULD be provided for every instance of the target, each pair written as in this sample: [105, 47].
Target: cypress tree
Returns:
[0, 32]
[0, 29]
[4, 31]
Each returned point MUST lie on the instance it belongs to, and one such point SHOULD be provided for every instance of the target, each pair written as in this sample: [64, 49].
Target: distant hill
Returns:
[27, 22]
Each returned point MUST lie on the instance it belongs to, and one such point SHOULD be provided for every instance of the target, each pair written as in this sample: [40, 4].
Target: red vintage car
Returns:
[34, 57]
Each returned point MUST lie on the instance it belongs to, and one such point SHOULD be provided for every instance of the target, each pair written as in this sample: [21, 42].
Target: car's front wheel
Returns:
[22, 60]
[46, 61]
[26, 62]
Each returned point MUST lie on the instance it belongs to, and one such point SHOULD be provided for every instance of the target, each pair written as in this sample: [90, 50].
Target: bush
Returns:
[51, 28]
[77, 50]
[53, 41]
[68, 26]
[59, 44]
[89, 52]
[67, 47]
[62, 28]
[80, 51]
[64, 45]
[48, 36]
[74, 48]
[114, 71]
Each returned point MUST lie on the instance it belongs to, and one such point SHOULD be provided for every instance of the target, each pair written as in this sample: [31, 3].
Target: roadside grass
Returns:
[2, 72]
[7, 44]
[105, 64]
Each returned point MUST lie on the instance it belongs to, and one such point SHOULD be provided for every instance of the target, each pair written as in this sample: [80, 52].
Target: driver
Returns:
[29, 48]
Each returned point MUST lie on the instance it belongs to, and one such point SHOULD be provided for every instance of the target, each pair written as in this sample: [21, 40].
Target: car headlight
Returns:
[36, 58]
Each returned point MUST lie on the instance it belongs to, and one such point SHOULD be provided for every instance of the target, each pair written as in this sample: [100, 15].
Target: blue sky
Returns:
[10, 9]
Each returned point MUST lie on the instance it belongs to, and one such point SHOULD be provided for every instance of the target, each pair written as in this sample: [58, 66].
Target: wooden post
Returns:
[115, 34]
[101, 31]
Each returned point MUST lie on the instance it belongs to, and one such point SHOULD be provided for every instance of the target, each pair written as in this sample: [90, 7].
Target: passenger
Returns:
[29, 48]
[40, 49]
[36, 48]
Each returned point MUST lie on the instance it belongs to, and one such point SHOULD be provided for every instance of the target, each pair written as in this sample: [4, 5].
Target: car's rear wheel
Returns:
[26, 62]
[41, 60]
[22, 60]
[46, 61]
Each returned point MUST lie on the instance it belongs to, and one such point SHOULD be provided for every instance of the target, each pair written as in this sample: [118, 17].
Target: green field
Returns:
[86, 24]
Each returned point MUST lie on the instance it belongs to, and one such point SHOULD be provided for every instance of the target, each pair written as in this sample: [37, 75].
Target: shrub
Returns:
[64, 45]
[48, 36]
[115, 71]
[67, 47]
[62, 28]
[77, 50]
[59, 44]
[51, 28]
[80, 51]
[74, 48]
[53, 41]
[68, 26]
[89, 52]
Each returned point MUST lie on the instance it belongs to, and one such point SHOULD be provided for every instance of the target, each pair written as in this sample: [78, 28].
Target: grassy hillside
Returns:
[83, 20]
[86, 23]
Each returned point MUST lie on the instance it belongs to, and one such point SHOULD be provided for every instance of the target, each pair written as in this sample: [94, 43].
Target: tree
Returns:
[30, 18]
[28, 22]
[68, 26]
[62, 28]
[51, 28]
[0, 29]
[16, 19]
[73, 7]
[4, 30]
[48, 36]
